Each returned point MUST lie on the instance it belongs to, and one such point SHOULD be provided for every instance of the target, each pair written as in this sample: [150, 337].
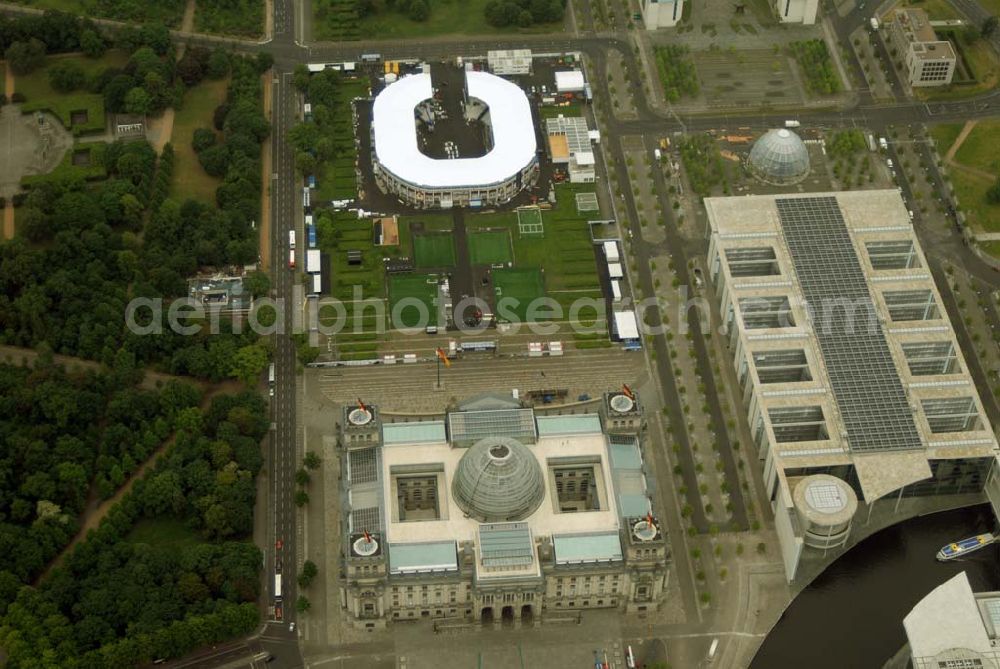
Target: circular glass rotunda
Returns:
[780, 158]
[498, 479]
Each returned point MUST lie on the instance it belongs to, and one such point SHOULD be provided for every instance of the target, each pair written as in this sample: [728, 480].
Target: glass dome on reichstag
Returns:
[498, 479]
[779, 157]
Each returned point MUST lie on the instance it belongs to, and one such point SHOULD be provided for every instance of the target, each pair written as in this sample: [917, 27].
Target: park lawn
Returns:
[163, 533]
[516, 289]
[937, 10]
[573, 109]
[945, 135]
[448, 17]
[434, 250]
[970, 189]
[992, 248]
[167, 12]
[190, 180]
[431, 222]
[410, 287]
[336, 179]
[980, 148]
[244, 18]
[336, 236]
[94, 170]
[39, 95]
[490, 247]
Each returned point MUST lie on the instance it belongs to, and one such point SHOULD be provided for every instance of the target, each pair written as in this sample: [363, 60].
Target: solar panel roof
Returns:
[862, 373]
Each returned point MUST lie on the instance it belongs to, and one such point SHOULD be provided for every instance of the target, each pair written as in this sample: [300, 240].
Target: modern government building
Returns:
[853, 380]
[493, 514]
[403, 169]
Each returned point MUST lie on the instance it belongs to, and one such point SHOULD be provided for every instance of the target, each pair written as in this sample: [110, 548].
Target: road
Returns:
[283, 459]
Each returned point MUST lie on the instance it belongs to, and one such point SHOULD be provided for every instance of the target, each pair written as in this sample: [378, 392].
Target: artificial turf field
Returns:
[422, 287]
[522, 285]
[489, 247]
[437, 250]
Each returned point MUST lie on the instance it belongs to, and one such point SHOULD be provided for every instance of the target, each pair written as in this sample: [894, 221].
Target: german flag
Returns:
[628, 391]
[443, 357]
[361, 405]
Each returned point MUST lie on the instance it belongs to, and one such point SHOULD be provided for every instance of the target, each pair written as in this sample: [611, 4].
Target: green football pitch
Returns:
[410, 287]
[489, 247]
[517, 288]
[437, 250]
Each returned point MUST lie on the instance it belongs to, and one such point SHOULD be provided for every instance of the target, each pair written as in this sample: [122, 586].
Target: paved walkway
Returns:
[8, 211]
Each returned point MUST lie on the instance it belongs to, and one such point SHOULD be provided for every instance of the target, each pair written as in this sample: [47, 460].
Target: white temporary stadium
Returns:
[403, 169]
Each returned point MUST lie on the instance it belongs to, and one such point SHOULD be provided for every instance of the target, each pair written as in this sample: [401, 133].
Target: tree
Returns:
[307, 574]
[138, 101]
[66, 76]
[257, 283]
[989, 26]
[302, 604]
[302, 477]
[25, 57]
[92, 44]
[215, 160]
[993, 192]
[300, 77]
[311, 460]
[301, 498]
[218, 64]
[418, 10]
[249, 363]
[202, 139]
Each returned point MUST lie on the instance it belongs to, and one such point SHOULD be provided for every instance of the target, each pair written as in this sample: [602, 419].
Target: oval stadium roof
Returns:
[395, 134]
[498, 479]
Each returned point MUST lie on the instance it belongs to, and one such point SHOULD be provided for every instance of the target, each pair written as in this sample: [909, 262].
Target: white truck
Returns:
[291, 239]
[792, 124]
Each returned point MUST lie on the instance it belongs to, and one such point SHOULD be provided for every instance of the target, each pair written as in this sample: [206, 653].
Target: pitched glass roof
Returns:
[575, 424]
[505, 544]
[579, 548]
[476, 425]
[422, 432]
[431, 556]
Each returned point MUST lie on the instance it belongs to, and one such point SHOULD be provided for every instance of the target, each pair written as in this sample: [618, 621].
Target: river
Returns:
[852, 614]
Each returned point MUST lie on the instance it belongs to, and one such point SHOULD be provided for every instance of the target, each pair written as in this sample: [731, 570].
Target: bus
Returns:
[277, 586]
[371, 57]
[270, 374]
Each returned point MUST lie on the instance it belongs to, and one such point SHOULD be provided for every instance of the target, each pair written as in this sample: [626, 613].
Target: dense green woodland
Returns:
[116, 603]
[64, 435]
[87, 249]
